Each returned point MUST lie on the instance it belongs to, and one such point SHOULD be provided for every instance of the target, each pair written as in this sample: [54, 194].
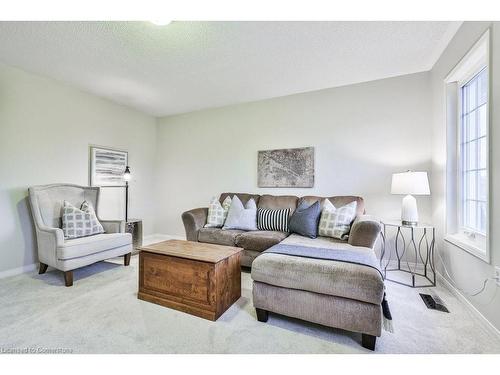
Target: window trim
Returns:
[460, 75]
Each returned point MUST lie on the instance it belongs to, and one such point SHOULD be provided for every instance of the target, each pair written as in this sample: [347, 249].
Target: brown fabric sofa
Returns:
[363, 232]
[331, 293]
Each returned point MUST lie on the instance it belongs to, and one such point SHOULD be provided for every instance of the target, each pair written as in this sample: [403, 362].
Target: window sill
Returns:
[470, 247]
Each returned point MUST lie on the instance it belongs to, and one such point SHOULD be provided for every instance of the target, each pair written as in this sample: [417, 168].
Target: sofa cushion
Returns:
[79, 247]
[338, 201]
[274, 202]
[259, 240]
[328, 277]
[243, 197]
[218, 236]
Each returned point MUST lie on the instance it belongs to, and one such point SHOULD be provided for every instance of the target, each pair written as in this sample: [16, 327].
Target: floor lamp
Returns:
[126, 176]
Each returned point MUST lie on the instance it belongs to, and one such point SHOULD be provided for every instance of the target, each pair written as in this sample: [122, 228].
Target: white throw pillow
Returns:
[79, 222]
[241, 217]
[336, 222]
[217, 212]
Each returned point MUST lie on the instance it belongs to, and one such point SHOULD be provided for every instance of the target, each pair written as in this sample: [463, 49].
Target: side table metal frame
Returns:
[427, 259]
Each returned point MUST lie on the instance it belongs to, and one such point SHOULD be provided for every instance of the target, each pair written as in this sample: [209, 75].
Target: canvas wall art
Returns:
[107, 166]
[291, 167]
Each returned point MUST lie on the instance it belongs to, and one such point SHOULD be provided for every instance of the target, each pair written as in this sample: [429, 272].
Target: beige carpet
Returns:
[101, 314]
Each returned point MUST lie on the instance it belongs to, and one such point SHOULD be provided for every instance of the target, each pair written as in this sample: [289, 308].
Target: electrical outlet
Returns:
[497, 275]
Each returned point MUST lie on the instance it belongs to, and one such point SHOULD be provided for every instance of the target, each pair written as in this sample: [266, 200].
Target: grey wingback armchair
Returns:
[68, 254]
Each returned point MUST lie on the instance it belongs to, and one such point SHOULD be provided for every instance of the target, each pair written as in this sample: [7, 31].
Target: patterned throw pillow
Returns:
[80, 222]
[273, 219]
[96, 225]
[336, 222]
[217, 212]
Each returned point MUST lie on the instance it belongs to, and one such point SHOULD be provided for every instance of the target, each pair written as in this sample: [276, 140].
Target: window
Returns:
[473, 159]
[468, 152]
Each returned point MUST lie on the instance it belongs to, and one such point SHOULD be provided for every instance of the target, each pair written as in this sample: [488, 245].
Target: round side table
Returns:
[408, 253]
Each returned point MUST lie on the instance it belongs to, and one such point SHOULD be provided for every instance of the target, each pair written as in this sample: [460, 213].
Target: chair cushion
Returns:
[259, 240]
[328, 277]
[83, 246]
[218, 236]
[49, 200]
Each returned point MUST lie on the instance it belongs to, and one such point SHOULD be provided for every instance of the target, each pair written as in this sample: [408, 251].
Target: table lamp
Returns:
[410, 183]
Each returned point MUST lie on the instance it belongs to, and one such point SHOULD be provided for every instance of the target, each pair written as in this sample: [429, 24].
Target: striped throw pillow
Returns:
[273, 219]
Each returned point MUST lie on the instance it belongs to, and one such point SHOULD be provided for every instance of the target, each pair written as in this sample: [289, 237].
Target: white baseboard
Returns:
[152, 238]
[467, 303]
[18, 271]
[158, 237]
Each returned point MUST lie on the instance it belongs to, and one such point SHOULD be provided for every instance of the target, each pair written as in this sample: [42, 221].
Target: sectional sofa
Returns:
[332, 293]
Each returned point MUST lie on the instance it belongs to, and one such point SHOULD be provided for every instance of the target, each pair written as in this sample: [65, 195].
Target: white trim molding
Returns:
[158, 237]
[18, 271]
[486, 323]
[462, 243]
[152, 238]
[442, 281]
[458, 233]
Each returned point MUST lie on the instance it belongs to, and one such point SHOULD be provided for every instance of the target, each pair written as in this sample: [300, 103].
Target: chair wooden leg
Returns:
[368, 341]
[262, 315]
[126, 259]
[68, 278]
[42, 268]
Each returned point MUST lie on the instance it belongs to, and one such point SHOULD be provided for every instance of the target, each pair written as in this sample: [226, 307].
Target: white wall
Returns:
[361, 135]
[467, 271]
[45, 131]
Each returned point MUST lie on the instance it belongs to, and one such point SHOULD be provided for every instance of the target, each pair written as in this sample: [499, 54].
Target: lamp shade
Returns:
[127, 175]
[413, 183]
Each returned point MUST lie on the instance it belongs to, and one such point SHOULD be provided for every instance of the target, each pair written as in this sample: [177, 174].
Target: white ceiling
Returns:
[186, 66]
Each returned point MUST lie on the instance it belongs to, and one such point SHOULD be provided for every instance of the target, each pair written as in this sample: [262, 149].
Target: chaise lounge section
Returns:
[331, 293]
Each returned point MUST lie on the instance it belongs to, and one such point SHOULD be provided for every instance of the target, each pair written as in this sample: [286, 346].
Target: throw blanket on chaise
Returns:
[354, 256]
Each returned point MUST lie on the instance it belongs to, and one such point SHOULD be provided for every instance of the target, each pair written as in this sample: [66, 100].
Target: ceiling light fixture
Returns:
[161, 22]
